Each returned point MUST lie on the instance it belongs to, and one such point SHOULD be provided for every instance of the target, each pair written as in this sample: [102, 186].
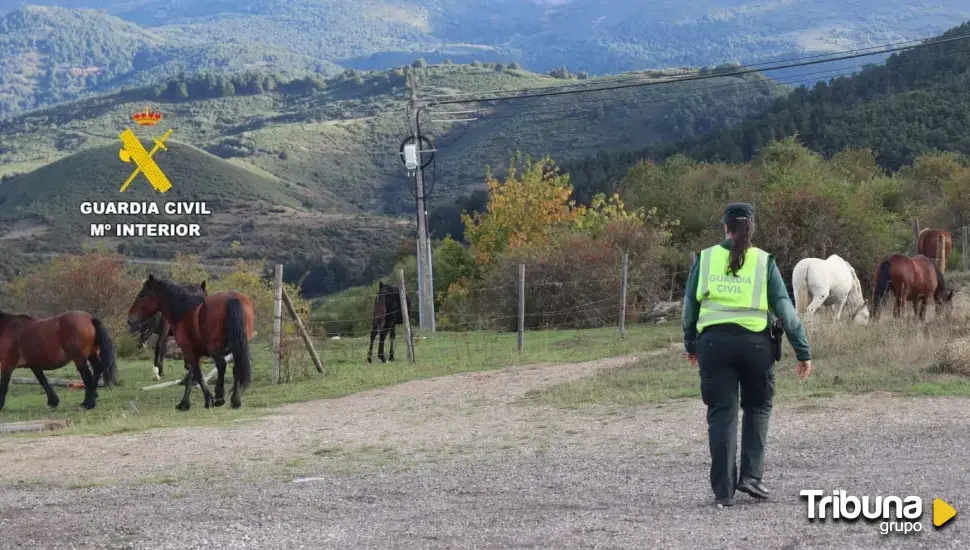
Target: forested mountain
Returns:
[917, 102]
[56, 54]
[328, 149]
[592, 36]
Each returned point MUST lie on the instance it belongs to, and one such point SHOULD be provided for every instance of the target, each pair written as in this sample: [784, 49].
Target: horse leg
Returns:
[220, 399]
[839, 306]
[390, 356]
[157, 370]
[192, 361]
[90, 383]
[922, 308]
[380, 346]
[6, 368]
[52, 400]
[816, 303]
[901, 295]
[370, 350]
[206, 394]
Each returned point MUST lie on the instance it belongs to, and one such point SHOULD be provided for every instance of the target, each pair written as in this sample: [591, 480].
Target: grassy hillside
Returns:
[917, 102]
[328, 147]
[339, 138]
[595, 36]
[39, 211]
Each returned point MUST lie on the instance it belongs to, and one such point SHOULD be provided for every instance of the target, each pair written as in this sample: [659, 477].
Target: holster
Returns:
[777, 329]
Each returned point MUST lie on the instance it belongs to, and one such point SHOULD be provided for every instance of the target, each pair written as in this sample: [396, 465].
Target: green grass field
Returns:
[889, 356]
[129, 408]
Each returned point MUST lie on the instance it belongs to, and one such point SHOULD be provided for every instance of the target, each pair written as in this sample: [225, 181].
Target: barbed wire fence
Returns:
[538, 305]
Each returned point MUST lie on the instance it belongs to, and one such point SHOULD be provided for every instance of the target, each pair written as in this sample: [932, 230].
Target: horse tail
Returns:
[106, 354]
[800, 282]
[883, 282]
[238, 342]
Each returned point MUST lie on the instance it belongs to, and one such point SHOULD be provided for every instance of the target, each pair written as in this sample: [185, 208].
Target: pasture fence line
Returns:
[280, 297]
[531, 301]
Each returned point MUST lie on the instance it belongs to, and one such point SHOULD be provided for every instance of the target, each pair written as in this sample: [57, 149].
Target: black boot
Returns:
[753, 487]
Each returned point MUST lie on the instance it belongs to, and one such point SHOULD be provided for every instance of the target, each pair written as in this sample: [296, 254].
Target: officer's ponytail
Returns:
[741, 228]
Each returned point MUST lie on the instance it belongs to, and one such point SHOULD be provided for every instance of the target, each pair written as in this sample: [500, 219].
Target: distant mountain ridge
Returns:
[295, 36]
[916, 103]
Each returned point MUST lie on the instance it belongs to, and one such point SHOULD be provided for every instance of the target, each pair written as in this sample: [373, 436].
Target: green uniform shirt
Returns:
[778, 303]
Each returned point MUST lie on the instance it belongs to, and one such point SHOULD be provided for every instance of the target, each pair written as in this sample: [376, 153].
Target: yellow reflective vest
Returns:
[724, 298]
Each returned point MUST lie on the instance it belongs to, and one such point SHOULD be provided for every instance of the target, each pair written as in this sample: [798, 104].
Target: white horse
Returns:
[831, 282]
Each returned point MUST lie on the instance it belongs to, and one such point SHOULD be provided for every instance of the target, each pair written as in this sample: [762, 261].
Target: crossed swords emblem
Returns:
[134, 151]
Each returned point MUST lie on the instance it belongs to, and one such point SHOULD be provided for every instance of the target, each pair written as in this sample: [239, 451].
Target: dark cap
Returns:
[737, 210]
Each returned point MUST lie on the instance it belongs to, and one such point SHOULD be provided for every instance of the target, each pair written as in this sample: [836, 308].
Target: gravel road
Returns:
[463, 462]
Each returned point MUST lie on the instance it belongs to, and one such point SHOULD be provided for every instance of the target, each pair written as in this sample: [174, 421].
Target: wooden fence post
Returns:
[965, 259]
[407, 319]
[623, 276]
[303, 333]
[521, 307]
[277, 322]
[916, 236]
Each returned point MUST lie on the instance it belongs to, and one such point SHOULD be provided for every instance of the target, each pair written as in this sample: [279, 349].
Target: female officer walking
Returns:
[730, 291]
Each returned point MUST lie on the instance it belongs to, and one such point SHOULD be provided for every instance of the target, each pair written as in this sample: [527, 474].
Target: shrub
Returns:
[96, 281]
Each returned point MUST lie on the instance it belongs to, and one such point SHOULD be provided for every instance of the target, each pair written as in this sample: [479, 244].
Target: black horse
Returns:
[158, 325]
[387, 314]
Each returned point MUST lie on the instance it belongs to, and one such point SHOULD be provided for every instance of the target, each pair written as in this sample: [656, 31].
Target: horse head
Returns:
[145, 306]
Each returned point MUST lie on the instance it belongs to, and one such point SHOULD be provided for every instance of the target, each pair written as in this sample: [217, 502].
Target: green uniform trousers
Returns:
[729, 356]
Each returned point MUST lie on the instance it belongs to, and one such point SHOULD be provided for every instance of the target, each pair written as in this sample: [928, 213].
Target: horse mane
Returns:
[12, 318]
[180, 300]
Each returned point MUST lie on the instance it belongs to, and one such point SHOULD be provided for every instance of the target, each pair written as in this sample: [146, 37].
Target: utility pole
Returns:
[425, 283]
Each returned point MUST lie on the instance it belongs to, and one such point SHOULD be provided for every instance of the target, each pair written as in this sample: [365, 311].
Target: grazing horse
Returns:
[158, 325]
[928, 244]
[50, 343]
[205, 326]
[910, 278]
[830, 282]
[387, 315]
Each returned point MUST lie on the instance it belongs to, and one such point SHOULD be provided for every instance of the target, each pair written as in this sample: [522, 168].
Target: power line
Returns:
[724, 88]
[629, 77]
[745, 70]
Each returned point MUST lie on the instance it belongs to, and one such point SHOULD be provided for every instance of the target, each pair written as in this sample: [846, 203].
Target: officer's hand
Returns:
[692, 358]
[803, 369]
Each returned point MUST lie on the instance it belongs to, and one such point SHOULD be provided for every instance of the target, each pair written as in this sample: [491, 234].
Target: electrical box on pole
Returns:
[411, 156]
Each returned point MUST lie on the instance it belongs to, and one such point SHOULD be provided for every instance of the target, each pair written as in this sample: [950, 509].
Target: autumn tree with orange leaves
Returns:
[531, 206]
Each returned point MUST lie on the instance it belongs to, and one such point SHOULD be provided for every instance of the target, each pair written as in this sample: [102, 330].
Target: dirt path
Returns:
[467, 464]
[453, 414]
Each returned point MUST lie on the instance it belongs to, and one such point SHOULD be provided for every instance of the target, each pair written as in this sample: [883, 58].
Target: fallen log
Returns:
[74, 384]
[178, 382]
[34, 426]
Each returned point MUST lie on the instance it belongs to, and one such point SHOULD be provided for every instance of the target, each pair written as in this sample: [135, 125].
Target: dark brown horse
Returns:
[52, 342]
[205, 326]
[910, 278]
[387, 315]
[928, 244]
[158, 325]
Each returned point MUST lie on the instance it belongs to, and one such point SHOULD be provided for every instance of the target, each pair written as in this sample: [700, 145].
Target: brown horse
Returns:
[50, 343]
[910, 278]
[158, 325]
[928, 244]
[387, 315]
[205, 326]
